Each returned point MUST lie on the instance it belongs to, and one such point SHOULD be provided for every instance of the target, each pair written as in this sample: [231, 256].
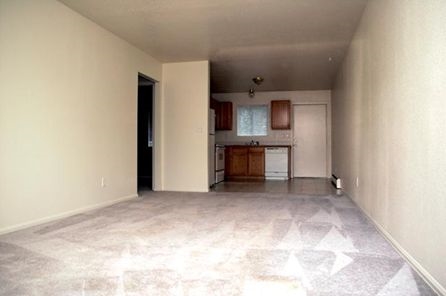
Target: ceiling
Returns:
[293, 44]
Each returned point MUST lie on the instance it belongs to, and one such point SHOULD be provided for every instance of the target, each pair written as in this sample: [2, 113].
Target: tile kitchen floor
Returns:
[311, 186]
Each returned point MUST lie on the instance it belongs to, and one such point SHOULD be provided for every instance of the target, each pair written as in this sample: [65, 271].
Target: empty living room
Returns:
[223, 147]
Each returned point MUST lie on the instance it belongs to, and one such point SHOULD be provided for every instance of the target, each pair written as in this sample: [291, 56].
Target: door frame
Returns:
[155, 139]
[328, 134]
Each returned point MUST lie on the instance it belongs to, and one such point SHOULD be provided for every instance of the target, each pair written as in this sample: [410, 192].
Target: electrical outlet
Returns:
[103, 182]
[357, 181]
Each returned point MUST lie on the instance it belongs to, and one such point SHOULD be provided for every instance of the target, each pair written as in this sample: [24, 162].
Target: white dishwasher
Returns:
[276, 163]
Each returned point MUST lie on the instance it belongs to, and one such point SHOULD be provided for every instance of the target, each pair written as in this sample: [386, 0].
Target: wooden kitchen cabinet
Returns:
[223, 116]
[244, 162]
[256, 162]
[236, 161]
[280, 114]
[213, 103]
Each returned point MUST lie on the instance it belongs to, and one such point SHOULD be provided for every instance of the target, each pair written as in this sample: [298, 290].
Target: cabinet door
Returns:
[280, 114]
[213, 103]
[256, 162]
[223, 113]
[237, 161]
[227, 115]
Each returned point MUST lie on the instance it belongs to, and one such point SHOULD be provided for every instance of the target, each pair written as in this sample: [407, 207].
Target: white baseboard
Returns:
[430, 280]
[65, 214]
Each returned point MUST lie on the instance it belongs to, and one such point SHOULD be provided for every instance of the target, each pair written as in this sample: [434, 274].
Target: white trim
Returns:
[422, 272]
[64, 214]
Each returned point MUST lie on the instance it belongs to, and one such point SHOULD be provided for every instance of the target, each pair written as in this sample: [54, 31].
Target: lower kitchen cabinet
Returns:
[256, 162]
[244, 162]
[236, 161]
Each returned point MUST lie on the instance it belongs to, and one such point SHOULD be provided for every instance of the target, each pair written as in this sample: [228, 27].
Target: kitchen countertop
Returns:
[260, 145]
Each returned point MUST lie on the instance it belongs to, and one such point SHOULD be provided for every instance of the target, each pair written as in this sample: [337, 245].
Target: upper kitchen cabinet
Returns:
[280, 114]
[223, 116]
[213, 103]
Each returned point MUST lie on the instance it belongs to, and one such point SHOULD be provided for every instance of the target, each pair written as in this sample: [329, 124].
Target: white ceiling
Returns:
[288, 42]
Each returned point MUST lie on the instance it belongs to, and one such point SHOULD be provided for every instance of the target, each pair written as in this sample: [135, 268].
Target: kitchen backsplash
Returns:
[273, 138]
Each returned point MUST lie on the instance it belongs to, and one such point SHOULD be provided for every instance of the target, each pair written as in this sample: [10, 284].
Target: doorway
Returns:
[145, 133]
[310, 141]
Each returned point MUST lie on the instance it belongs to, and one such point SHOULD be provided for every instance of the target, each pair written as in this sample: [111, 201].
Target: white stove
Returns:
[219, 163]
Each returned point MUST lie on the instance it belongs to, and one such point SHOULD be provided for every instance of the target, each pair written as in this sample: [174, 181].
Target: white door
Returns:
[310, 141]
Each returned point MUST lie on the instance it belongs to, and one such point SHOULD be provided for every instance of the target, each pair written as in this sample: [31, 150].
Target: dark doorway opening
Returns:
[145, 133]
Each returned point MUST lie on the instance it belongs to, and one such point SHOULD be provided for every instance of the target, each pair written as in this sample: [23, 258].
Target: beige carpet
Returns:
[208, 244]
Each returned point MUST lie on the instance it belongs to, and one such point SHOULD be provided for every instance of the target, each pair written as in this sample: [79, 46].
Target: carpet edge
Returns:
[66, 214]
[422, 272]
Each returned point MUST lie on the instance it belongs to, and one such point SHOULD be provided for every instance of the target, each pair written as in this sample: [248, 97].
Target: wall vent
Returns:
[336, 182]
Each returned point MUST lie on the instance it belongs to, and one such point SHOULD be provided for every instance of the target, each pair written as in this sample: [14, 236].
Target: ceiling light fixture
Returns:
[258, 80]
[251, 92]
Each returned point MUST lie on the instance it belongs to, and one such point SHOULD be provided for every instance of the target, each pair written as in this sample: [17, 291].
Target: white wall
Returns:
[389, 126]
[68, 92]
[279, 137]
[185, 126]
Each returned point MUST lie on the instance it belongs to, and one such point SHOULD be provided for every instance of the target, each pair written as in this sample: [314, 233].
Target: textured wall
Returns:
[389, 125]
[68, 91]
